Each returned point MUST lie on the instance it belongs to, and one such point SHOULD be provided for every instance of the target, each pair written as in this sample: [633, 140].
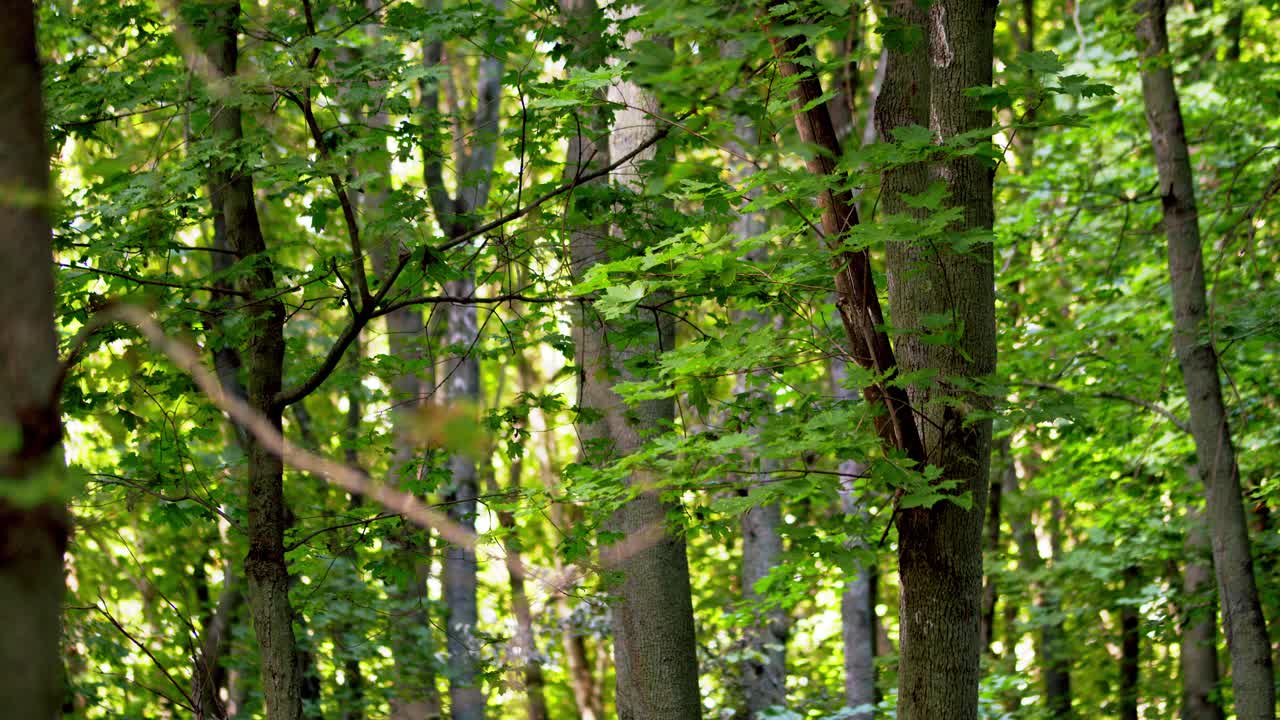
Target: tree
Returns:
[950, 277]
[33, 519]
[1252, 675]
[268, 516]
[653, 632]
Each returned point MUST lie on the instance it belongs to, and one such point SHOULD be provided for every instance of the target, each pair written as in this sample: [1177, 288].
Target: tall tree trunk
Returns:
[466, 699]
[764, 673]
[654, 638]
[857, 613]
[1198, 641]
[461, 374]
[940, 548]
[1246, 630]
[526, 649]
[265, 565]
[1130, 645]
[32, 536]
[587, 151]
[1054, 653]
[764, 677]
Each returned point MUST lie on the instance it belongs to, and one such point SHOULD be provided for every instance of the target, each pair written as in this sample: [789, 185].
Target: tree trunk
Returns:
[1054, 653]
[1130, 646]
[940, 548]
[265, 565]
[764, 678]
[461, 374]
[1246, 629]
[32, 536]
[654, 642]
[466, 700]
[587, 151]
[1198, 642]
[858, 614]
[764, 673]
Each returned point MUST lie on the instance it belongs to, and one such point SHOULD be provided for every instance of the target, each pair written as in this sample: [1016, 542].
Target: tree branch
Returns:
[1109, 395]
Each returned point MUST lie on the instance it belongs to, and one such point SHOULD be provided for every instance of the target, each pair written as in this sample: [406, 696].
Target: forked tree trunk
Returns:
[265, 566]
[32, 537]
[1246, 629]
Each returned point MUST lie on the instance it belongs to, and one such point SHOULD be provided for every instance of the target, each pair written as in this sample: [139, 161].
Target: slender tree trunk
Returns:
[940, 548]
[265, 566]
[858, 614]
[466, 699]
[461, 375]
[764, 678]
[1198, 642]
[1246, 630]
[1130, 645]
[764, 673]
[32, 537]
[1055, 654]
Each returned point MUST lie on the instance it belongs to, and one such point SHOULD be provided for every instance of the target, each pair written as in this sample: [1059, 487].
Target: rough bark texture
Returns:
[1198, 642]
[265, 567]
[654, 641]
[32, 538]
[856, 297]
[1251, 663]
[995, 549]
[940, 548]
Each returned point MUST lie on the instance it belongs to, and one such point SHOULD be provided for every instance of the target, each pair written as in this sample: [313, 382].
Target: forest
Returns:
[639, 359]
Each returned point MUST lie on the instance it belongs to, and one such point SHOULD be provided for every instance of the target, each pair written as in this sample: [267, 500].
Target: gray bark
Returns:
[1246, 630]
[32, 537]
[764, 674]
[1198, 641]
[265, 567]
[654, 637]
[765, 671]
[461, 373]
[940, 548]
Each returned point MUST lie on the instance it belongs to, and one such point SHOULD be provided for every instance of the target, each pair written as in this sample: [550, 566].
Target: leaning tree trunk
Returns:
[265, 565]
[32, 536]
[940, 548]
[1246, 630]
[654, 638]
